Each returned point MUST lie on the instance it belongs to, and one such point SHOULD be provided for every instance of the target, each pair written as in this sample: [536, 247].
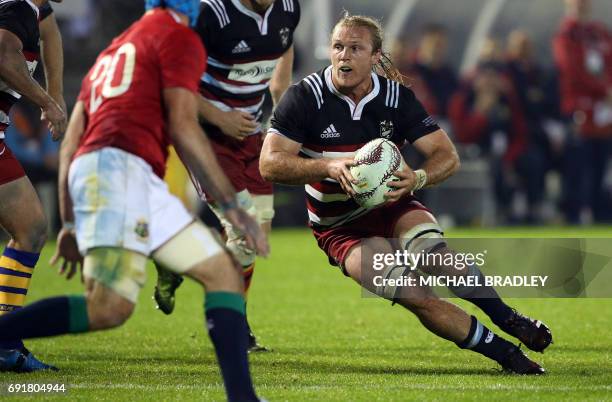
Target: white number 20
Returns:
[104, 74]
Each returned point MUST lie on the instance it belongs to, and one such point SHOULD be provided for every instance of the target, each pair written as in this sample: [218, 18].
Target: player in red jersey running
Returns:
[138, 98]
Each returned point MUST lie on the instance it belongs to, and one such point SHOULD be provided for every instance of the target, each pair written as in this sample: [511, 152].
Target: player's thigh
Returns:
[110, 192]
[120, 270]
[373, 260]
[358, 261]
[411, 219]
[114, 277]
[21, 213]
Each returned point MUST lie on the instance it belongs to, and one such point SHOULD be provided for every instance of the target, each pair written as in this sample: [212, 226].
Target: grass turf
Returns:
[330, 344]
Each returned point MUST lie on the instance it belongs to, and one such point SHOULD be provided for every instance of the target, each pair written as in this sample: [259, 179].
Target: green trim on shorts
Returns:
[229, 300]
[78, 319]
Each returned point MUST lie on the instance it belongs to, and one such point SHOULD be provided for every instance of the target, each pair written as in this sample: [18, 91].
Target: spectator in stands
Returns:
[402, 55]
[583, 54]
[431, 77]
[486, 111]
[537, 93]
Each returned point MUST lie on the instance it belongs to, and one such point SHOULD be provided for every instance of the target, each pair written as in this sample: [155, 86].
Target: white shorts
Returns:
[120, 202]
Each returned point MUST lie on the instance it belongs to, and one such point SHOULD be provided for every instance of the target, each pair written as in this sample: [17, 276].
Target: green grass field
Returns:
[330, 344]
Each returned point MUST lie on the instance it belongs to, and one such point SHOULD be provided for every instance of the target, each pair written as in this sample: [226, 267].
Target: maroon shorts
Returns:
[379, 222]
[10, 168]
[240, 162]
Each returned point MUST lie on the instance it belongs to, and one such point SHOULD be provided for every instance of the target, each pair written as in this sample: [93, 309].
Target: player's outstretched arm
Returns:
[52, 55]
[14, 71]
[279, 163]
[193, 147]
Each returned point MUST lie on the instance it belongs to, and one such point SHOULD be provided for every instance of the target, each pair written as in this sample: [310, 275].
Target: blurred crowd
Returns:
[532, 124]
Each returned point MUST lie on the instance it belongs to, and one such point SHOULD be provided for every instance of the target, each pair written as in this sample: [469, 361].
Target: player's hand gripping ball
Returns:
[375, 165]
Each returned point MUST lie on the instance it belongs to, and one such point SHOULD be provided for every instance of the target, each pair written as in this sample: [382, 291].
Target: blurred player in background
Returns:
[583, 54]
[315, 131]
[22, 24]
[140, 95]
[250, 49]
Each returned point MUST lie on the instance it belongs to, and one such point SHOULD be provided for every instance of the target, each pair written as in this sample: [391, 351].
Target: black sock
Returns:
[48, 317]
[485, 297]
[227, 328]
[482, 340]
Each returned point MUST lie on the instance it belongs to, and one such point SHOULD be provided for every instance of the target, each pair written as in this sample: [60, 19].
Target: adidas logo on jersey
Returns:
[330, 132]
[241, 47]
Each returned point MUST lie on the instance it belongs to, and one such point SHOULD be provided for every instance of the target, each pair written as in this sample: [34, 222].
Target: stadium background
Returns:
[329, 343]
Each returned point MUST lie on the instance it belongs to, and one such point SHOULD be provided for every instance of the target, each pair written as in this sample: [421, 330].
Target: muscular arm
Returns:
[441, 158]
[279, 163]
[75, 130]
[52, 56]
[14, 70]
[281, 78]
[192, 144]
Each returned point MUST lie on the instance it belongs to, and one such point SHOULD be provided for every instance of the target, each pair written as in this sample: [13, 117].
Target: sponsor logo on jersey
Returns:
[253, 73]
[386, 129]
[284, 35]
[241, 47]
[330, 132]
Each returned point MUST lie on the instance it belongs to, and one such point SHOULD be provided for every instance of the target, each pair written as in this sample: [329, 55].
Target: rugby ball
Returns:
[375, 165]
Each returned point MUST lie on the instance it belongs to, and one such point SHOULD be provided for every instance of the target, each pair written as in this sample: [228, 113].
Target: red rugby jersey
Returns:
[123, 91]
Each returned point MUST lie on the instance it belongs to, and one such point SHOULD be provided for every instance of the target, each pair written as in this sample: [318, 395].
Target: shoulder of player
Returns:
[393, 92]
[289, 7]
[312, 88]
[19, 9]
[214, 12]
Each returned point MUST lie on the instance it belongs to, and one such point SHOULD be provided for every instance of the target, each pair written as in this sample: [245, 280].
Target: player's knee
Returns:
[109, 313]
[219, 272]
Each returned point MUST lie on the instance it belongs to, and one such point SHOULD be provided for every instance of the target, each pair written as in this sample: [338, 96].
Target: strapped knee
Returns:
[388, 288]
[423, 238]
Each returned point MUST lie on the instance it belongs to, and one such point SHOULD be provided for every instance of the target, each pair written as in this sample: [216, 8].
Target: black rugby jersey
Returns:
[20, 17]
[243, 49]
[330, 125]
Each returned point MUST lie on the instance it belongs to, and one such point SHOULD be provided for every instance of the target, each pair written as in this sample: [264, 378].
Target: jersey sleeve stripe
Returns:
[395, 93]
[219, 11]
[397, 85]
[317, 83]
[288, 5]
[388, 92]
[314, 92]
[223, 10]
